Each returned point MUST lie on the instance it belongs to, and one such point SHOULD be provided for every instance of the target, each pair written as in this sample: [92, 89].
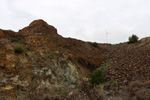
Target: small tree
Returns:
[133, 39]
[18, 49]
[94, 44]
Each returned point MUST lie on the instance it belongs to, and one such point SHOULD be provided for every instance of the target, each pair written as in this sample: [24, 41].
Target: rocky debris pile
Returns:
[130, 62]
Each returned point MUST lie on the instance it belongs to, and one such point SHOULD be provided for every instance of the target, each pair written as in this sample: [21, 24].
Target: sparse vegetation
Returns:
[136, 83]
[16, 40]
[143, 94]
[65, 94]
[18, 49]
[94, 44]
[133, 39]
[85, 86]
[113, 82]
[97, 76]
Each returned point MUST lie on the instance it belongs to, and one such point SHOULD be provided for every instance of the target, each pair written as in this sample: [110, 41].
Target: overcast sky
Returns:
[88, 20]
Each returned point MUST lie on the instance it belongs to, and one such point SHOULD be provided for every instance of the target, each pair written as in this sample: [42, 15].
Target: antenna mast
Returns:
[107, 37]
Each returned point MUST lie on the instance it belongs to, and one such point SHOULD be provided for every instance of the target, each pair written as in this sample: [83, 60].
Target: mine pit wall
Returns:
[37, 70]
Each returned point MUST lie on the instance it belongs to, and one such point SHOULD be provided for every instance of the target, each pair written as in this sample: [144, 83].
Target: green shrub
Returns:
[133, 39]
[94, 44]
[18, 49]
[97, 77]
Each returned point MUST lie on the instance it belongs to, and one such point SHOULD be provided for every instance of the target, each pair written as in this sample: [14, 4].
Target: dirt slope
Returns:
[129, 61]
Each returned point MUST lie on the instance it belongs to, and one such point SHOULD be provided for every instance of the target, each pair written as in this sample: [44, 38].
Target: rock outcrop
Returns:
[49, 64]
[38, 27]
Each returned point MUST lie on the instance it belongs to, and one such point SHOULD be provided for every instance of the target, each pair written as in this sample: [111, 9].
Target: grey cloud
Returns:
[83, 19]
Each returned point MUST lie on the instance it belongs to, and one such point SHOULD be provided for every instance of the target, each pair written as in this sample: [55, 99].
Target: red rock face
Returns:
[46, 55]
[10, 33]
[1, 34]
[42, 36]
[38, 26]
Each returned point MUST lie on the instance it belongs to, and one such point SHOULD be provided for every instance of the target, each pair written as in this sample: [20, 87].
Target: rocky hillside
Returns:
[130, 66]
[130, 62]
[52, 65]
[49, 64]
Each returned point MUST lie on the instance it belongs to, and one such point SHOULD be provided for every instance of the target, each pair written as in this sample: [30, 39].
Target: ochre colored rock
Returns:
[49, 61]
[38, 26]
[1, 33]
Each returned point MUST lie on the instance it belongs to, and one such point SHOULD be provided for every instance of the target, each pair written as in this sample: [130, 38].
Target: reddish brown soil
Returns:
[130, 62]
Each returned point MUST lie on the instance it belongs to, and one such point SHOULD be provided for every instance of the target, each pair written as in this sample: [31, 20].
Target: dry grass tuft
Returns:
[136, 83]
